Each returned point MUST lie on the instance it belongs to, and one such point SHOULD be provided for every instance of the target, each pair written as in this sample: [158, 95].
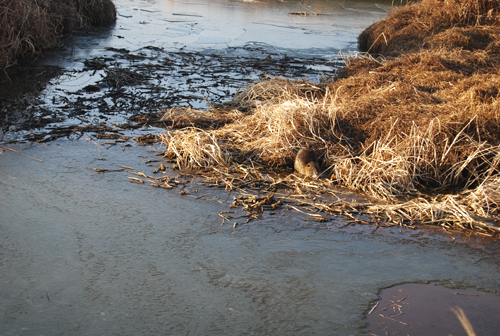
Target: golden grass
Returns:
[194, 148]
[30, 26]
[429, 23]
[422, 118]
[185, 117]
[286, 116]
[485, 199]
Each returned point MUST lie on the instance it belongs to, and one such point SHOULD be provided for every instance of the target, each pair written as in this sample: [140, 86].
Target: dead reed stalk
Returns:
[485, 199]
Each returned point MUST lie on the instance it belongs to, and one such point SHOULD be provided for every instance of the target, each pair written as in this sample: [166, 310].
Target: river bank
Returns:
[29, 27]
[97, 237]
[416, 117]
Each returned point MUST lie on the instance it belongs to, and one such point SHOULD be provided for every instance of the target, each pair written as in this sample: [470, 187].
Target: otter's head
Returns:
[311, 170]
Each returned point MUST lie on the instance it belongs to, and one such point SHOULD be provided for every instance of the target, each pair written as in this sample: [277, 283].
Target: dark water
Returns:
[88, 253]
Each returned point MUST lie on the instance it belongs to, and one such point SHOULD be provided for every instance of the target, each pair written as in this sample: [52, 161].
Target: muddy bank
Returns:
[31, 26]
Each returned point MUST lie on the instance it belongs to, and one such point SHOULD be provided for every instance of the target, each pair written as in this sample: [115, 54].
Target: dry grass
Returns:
[195, 148]
[30, 26]
[431, 23]
[180, 117]
[286, 116]
[418, 160]
[447, 211]
[464, 321]
[424, 117]
[485, 199]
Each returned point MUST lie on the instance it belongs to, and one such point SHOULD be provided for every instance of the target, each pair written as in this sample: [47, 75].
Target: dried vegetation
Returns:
[30, 26]
[418, 115]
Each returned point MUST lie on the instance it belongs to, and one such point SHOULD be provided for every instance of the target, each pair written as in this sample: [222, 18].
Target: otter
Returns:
[306, 163]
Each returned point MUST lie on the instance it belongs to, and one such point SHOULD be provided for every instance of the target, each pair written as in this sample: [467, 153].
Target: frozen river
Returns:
[89, 253]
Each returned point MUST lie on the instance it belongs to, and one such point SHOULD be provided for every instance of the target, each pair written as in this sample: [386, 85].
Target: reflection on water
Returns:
[197, 25]
[87, 253]
[313, 24]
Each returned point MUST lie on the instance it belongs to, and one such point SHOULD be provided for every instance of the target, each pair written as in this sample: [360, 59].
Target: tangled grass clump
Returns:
[417, 115]
[28, 27]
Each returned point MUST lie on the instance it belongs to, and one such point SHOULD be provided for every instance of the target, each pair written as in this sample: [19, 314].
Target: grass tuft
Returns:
[29, 26]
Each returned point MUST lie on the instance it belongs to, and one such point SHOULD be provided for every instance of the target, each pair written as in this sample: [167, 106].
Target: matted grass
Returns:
[430, 24]
[30, 26]
[419, 117]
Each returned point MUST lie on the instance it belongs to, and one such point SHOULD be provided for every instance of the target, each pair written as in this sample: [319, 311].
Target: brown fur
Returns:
[306, 163]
